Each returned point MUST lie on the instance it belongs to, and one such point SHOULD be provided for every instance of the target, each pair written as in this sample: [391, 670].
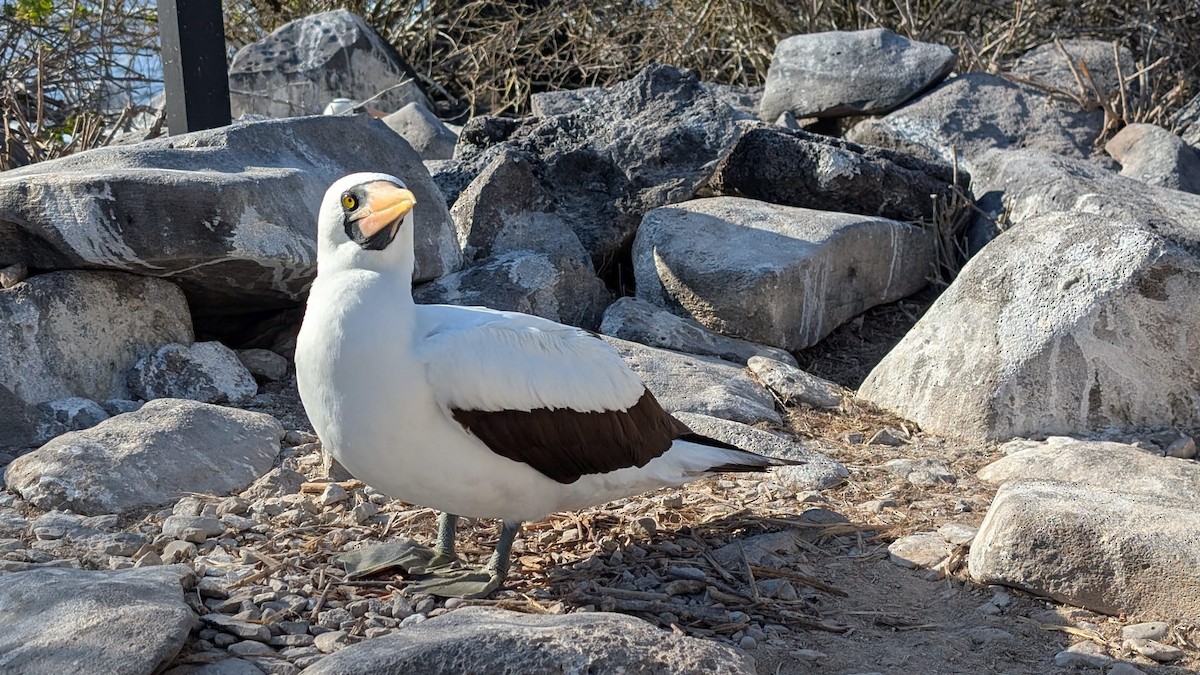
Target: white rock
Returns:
[782, 276]
[793, 385]
[60, 621]
[153, 456]
[208, 372]
[1067, 324]
[1092, 547]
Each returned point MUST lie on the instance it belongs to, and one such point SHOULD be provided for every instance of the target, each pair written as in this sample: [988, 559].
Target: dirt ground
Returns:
[856, 612]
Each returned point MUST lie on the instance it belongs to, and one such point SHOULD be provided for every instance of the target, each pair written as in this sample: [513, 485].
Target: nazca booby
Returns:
[472, 411]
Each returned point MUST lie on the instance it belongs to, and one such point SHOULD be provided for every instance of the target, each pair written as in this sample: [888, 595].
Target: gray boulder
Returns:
[77, 333]
[645, 143]
[146, 458]
[564, 101]
[1096, 548]
[558, 289]
[299, 67]
[841, 73]
[778, 275]
[59, 620]
[636, 320]
[208, 372]
[796, 168]
[818, 472]
[492, 640]
[1156, 157]
[1096, 464]
[975, 112]
[508, 208]
[423, 131]
[263, 363]
[59, 416]
[686, 383]
[1024, 184]
[1066, 324]
[229, 214]
[744, 100]
[1048, 66]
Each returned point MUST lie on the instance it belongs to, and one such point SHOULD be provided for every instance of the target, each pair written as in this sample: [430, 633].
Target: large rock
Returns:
[229, 214]
[1156, 157]
[208, 372]
[645, 143]
[1051, 67]
[840, 73]
[1067, 324]
[1097, 548]
[778, 275]
[636, 320]
[686, 383]
[168, 448]
[491, 640]
[559, 289]
[77, 333]
[507, 208]
[59, 620]
[1095, 464]
[1024, 184]
[423, 131]
[796, 168]
[975, 112]
[300, 67]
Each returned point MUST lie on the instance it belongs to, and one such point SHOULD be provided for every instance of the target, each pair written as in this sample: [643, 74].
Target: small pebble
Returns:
[1125, 669]
[178, 551]
[413, 620]
[1083, 654]
[13, 274]
[332, 641]
[151, 558]
[1155, 650]
[333, 494]
[1150, 630]
[748, 643]
[224, 639]
[886, 437]
[1183, 448]
[250, 648]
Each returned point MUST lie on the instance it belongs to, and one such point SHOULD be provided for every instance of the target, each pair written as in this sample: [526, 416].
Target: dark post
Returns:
[194, 71]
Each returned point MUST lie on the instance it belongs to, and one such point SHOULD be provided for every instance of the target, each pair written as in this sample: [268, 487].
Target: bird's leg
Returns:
[445, 544]
[498, 565]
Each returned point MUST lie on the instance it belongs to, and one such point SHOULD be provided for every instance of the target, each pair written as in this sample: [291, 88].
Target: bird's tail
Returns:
[723, 457]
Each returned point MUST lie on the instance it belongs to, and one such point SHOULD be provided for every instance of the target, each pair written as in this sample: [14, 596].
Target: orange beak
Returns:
[388, 204]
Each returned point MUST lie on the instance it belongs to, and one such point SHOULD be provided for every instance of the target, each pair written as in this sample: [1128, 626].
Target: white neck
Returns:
[396, 261]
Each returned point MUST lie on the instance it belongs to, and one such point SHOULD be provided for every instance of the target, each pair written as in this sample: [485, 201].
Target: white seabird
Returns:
[471, 411]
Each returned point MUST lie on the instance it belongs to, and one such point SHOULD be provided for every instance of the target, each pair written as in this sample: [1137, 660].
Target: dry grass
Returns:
[72, 73]
[61, 62]
[484, 55]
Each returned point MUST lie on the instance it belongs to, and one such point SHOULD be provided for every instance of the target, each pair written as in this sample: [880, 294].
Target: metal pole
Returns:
[195, 74]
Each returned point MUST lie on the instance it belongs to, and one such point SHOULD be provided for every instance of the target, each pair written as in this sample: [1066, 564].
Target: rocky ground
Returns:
[972, 262]
[801, 580]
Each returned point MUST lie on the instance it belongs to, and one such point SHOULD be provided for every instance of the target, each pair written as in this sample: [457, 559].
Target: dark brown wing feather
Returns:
[565, 444]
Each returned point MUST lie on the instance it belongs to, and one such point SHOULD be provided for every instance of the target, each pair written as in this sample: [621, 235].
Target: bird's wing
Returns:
[554, 397]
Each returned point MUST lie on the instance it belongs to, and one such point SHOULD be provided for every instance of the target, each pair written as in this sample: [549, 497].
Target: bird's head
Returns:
[360, 218]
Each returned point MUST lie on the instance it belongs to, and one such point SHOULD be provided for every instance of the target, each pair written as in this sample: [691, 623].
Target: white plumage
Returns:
[382, 379]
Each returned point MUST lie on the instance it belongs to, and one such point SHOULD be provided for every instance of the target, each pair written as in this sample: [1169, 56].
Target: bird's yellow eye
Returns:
[349, 202]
